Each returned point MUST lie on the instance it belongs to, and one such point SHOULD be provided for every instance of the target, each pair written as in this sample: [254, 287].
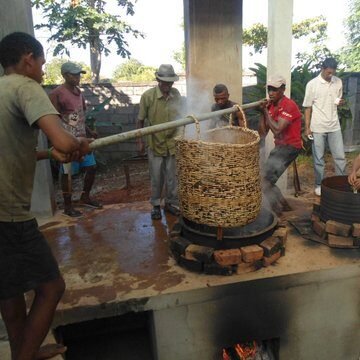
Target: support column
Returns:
[213, 42]
[18, 17]
[280, 16]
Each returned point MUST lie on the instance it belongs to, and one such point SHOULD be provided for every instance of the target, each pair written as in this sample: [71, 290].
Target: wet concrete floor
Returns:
[117, 260]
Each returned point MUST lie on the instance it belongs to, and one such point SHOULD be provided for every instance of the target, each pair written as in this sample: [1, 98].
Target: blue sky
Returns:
[164, 34]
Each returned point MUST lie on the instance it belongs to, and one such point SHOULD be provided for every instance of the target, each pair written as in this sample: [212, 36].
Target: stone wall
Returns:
[119, 115]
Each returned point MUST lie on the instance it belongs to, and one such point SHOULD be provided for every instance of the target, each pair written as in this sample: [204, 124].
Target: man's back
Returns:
[22, 103]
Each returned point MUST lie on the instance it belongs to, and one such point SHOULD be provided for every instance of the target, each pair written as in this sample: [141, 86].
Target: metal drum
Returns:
[338, 201]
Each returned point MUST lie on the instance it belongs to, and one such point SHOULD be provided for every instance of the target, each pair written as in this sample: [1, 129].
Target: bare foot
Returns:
[48, 351]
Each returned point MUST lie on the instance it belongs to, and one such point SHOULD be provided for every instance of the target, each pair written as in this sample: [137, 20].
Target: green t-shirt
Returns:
[155, 109]
[22, 102]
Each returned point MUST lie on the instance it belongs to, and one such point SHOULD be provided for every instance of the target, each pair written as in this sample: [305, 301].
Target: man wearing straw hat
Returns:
[159, 105]
[282, 116]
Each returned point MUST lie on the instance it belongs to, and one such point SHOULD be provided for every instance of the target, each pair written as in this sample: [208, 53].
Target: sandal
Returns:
[156, 213]
[72, 213]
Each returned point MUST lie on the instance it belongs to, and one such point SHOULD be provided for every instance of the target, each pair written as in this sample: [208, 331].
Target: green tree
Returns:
[134, 70]
[314, 29]
[53, 72]
[179, 56]
[87, 24]
[350, 55]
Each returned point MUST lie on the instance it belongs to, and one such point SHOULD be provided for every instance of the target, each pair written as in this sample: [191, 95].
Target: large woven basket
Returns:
[219, 176]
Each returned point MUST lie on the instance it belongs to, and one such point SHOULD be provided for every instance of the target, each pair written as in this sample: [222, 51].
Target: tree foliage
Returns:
[350, 55]
[180, 56]
[87, 24]
[53, 72]
[133, 70]
[313, 28]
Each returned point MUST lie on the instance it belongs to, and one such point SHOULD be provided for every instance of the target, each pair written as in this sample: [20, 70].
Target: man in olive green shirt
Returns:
[159, 105]
[26, 260]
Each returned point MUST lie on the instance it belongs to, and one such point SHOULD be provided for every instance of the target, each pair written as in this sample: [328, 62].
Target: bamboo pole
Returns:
[113, 139]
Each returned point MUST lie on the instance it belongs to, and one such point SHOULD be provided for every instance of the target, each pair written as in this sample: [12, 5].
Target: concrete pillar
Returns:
[280, 15]
[18, 17]
[213, 33]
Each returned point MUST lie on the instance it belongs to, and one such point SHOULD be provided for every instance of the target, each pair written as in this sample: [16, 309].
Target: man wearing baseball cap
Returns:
[160, 105]
[282, 117]
[70, 103]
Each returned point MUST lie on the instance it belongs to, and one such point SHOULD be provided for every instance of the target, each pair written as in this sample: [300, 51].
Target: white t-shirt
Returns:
[321, 96]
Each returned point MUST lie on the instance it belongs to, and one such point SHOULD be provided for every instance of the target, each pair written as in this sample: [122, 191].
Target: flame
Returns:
[244, 351]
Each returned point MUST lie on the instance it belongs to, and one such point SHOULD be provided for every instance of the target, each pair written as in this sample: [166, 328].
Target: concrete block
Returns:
[337, 228]
[267, 261]
[340, 241]
[200, 253]
[251, 253]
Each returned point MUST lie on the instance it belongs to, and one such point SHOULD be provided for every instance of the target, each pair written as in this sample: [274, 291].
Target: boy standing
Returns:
[26, 261]
[70, 103]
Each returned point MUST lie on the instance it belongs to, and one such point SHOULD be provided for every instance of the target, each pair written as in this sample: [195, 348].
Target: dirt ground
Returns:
[110, 183]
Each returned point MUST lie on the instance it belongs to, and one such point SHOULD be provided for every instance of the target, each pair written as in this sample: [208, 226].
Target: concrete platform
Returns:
[116, 260]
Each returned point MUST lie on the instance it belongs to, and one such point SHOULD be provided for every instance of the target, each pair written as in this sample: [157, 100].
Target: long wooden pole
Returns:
[113, 139]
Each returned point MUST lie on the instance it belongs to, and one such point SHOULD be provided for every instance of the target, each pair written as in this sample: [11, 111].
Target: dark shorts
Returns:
[280, 157]
[26, 260]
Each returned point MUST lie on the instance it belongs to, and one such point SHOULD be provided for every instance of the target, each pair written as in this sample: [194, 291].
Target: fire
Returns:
[241, 351]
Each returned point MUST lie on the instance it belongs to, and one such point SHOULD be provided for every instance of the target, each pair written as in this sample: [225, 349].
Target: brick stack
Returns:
[336, 234]
[227, 261]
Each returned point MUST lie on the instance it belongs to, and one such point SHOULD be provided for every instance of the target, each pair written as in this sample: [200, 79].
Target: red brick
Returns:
[199, 253]
[281, 233]
[282, 223]
[340, 241]
[267, 261]
[314, 217]
[228, 257]
[337, 228]
[316, 209]
[356, 230]
[244, 267]
[319, 228]
[251, 253]
[271, 245]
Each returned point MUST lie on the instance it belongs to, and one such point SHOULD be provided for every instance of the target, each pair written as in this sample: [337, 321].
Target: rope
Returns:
[197, 124]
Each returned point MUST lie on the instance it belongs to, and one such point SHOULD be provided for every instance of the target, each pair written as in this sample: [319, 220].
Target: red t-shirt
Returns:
[288, 110]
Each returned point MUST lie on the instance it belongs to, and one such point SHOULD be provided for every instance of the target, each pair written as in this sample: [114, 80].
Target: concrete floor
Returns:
[116, 260]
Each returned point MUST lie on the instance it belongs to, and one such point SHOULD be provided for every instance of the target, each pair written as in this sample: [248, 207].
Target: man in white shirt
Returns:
[322, 97]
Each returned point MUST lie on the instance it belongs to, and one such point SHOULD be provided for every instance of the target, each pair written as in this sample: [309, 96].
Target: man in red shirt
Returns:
[282, 116]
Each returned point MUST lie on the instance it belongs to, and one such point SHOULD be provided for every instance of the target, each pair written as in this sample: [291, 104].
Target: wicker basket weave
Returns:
[219, 176]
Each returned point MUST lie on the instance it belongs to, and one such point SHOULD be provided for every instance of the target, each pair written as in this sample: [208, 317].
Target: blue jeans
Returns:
[163, 172]
[336, 146]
